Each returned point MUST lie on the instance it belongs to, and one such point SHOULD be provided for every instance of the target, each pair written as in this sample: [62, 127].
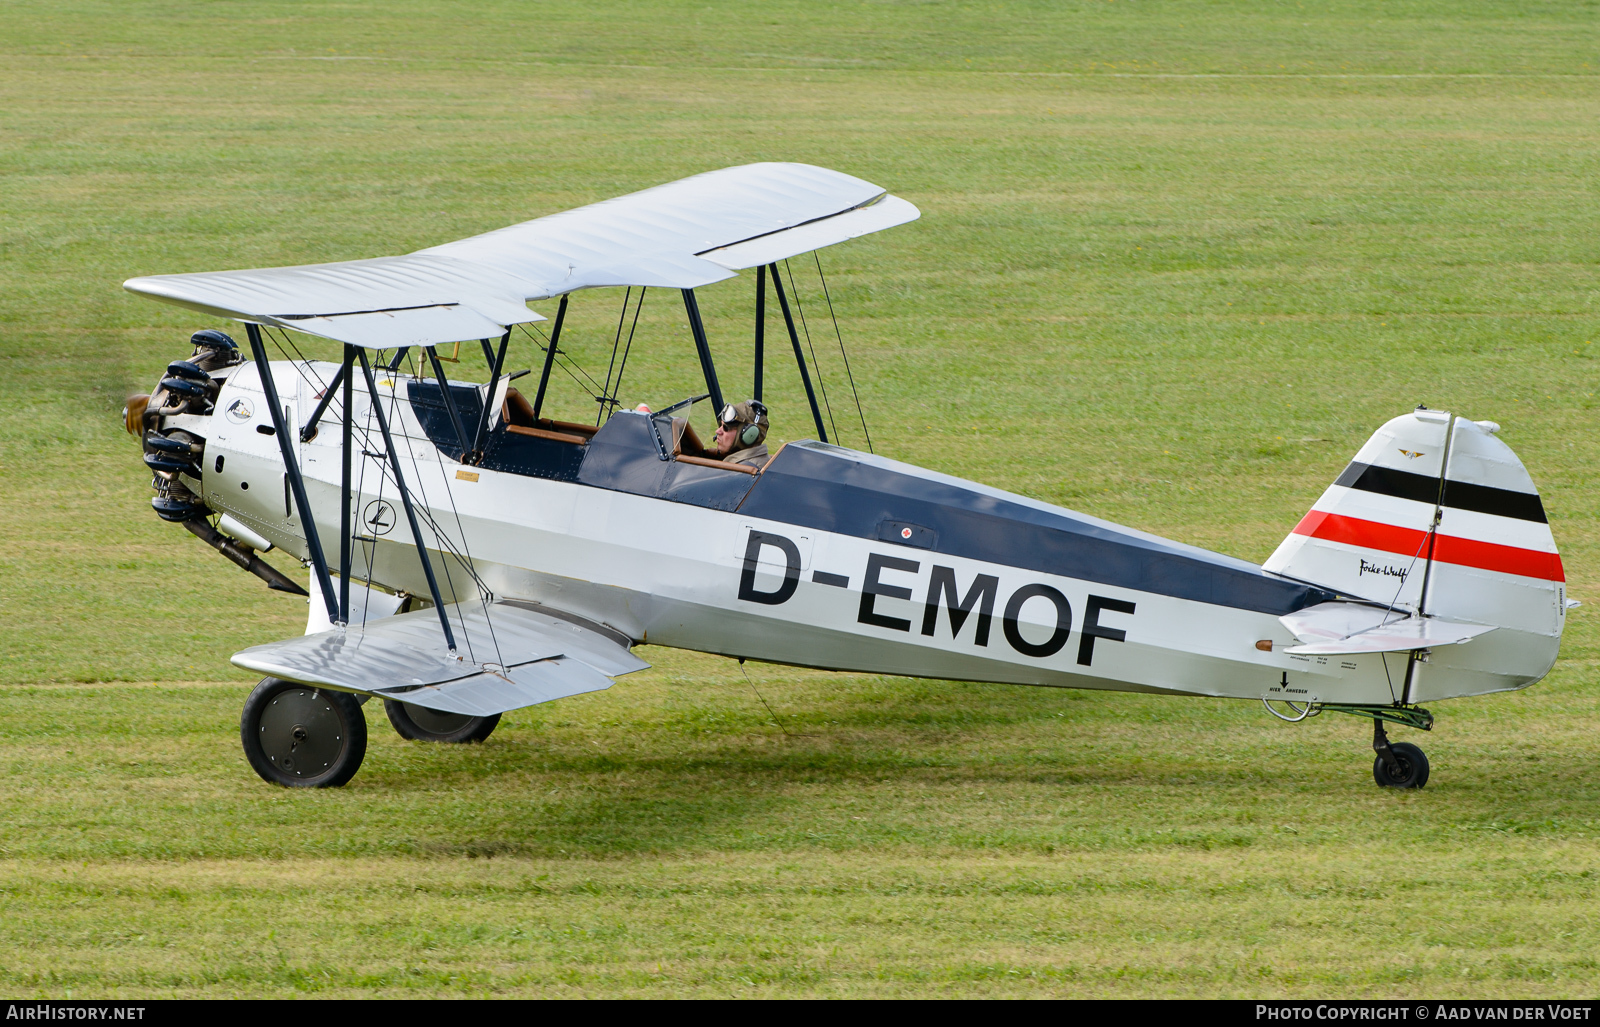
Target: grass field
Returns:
[1176, 261]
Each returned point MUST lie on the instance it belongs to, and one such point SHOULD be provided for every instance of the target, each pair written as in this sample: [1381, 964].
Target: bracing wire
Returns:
[289, 342]
[567, 370]
[462, 555]
[303, 368]
[365, 433]
[370, 551]
[606, 399]
[561, 355]
[447, 545]
[438, 535]
[801, 310]
[1433, 529]
[1409, 568]
[421, 509]
[637, 307]
[770, 712]
[562, 360]
[840, 336]
[484, 595]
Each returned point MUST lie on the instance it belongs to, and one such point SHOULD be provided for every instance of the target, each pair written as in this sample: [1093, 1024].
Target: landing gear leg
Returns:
[1398, 764]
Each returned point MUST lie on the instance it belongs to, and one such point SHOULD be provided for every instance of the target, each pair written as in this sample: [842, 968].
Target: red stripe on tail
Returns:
[1465, 552]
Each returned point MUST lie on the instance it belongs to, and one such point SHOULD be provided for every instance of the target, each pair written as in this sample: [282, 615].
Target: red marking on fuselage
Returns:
[1465, 552]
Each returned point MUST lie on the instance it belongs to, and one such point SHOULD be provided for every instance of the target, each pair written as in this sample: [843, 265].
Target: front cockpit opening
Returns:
[521, 419]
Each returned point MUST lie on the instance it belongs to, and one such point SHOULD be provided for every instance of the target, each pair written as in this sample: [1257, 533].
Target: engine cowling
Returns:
[166, 421]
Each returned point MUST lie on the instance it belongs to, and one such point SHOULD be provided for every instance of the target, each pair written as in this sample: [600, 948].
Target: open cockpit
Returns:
[634, 452]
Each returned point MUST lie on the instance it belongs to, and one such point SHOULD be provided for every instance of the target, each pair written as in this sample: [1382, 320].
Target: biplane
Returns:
[469, 555]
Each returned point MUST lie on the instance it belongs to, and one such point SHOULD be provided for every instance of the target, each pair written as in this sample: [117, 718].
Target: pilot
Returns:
[742, 434]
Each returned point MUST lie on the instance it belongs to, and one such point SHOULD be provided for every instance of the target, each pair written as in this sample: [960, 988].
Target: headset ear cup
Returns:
[750, 434]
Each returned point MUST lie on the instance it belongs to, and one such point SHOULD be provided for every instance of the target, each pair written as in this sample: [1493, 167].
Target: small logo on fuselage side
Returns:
[378, 517]
[240, 410]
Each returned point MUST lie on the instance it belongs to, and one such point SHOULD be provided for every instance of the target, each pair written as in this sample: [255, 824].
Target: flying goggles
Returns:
[730, 417]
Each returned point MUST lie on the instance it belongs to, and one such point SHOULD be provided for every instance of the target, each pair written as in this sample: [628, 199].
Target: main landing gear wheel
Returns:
[421, 724]
[1398, 764]
[1410, 769]
[302, 737]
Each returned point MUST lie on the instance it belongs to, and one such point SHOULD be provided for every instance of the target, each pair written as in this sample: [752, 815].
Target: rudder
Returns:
[1437, 515]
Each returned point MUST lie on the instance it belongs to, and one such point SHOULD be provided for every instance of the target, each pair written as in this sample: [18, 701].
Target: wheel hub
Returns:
[301, 732]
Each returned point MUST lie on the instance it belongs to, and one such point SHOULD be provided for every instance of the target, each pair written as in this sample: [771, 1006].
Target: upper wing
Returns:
[509, 656]
[680, 235]
[687, 233]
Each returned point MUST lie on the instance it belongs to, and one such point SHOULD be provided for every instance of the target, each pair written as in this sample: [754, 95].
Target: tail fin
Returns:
[1437, 515]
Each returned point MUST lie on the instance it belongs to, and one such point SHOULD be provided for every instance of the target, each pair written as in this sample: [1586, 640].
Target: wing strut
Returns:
[322, 405]
[344, 379]
[449, 400]
[405, 500]
[692, 306]
[1427, 568]
[550, 358]
[297, 484]
[498, 364]
[799, 357]
[761, 327]
[1438, 514]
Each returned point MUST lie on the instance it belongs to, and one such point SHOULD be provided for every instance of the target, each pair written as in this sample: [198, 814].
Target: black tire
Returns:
[302, 737]
[1413, 767]
[420, 724]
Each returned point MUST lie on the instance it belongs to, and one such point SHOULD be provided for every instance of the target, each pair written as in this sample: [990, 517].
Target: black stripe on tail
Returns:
[1460, 495]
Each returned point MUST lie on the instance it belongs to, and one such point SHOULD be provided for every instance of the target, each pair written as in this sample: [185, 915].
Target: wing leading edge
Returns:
[512, 655]
[681, 235]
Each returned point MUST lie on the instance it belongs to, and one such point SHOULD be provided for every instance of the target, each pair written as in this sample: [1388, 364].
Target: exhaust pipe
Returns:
[242, 556]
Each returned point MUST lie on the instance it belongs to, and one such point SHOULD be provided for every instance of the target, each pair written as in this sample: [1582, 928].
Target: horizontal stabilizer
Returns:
[1329, 629]
[508, 656]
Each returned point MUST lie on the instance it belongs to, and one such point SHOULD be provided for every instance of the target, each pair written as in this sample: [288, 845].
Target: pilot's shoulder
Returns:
[756, 456]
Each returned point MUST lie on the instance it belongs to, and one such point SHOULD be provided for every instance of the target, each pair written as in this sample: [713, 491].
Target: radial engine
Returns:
[172, 423]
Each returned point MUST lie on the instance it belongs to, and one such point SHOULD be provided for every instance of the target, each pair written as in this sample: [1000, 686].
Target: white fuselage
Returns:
[681, 575]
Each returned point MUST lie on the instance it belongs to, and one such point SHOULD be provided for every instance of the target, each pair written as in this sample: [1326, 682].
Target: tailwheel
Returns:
[302, 737]
[420, 724]
[1398, 764]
